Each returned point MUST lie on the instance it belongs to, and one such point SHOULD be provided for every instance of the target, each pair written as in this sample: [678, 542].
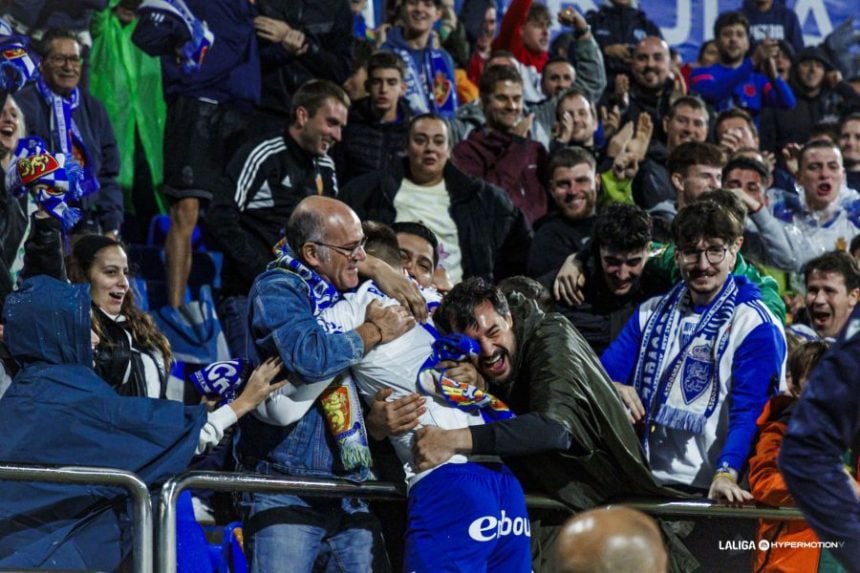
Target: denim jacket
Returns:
[283, 324]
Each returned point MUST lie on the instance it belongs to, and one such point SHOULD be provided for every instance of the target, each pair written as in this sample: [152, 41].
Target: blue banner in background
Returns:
[687, 23]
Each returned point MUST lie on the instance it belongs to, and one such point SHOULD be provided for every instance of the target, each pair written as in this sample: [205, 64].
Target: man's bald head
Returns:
[611, 540]
[326, 235]
[651, 64]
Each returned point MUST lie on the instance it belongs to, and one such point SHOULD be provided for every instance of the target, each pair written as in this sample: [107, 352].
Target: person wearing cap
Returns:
[821, 93]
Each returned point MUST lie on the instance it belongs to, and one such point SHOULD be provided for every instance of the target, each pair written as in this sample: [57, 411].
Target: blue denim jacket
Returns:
[283, 324]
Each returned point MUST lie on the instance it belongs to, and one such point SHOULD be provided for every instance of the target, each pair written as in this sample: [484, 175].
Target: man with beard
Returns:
[501, 153]
[734, 81]
[826, 214]
[571, 438]
[697, 365]
[832, 291]
[261, 186]
[849, 142]
[573, 185]
[653, 88]
[576, 122]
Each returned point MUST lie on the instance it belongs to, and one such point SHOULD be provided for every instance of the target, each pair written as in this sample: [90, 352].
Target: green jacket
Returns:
[768, 286]
[556, 373]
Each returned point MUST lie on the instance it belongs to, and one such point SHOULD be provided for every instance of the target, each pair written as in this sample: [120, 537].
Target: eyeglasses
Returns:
[714, 255]
[61, 60]
[348, 252]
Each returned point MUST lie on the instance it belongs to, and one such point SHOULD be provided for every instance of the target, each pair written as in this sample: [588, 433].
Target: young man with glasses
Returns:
[73, 122]
[695, 366]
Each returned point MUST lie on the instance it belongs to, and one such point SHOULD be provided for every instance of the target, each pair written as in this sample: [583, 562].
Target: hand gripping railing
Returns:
[141, 504]
[223, 481]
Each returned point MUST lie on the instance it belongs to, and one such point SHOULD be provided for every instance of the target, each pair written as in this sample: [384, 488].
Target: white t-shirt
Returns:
[431, 206]
[396, 365]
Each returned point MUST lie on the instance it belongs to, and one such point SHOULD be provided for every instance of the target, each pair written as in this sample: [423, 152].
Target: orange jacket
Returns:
[768, 486]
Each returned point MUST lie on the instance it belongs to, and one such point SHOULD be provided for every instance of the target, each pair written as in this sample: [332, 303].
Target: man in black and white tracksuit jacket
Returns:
[261, 186]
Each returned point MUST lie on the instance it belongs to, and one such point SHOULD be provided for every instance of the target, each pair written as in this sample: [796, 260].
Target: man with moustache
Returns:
[697, 365]
[262, 185]
[501, 152]
[573, 186]
[571, 438]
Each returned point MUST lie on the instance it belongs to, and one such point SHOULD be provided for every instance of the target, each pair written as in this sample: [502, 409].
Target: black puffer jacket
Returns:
[369, 145]
[619, 25]
[494, 236]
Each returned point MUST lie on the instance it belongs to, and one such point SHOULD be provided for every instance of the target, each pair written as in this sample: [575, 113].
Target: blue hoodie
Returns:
[779, 23]
[58, 411]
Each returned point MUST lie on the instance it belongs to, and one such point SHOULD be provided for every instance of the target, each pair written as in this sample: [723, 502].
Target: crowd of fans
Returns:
[574, 266]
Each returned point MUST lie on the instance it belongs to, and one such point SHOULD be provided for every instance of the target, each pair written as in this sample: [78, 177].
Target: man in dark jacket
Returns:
[824, 426]
[616, 277]
[305, 39]
[375, 136]
[571, 438]
[262, 185]
[57, 100]
[480, 232]
[771, 19]
[822, 95]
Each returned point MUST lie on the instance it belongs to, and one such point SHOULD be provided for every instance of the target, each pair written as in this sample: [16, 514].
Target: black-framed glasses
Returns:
[714, 255]
[61, 60]
[348, 252]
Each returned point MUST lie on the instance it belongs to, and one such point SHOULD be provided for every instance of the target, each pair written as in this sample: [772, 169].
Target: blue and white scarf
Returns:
[432, 380]
[434, 75]
[66, 133]
[683, 392]
[222, 380]
[17, 66]
[193, 52]
[53, 180]
[339, 402]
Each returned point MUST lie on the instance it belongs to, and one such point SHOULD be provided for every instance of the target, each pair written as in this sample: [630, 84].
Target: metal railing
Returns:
[80, 475]
[234, 482]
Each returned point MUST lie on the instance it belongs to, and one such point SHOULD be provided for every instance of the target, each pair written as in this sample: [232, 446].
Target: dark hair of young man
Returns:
[739, 113]
[726, 199]
[385, 61]
[747, 164]
[457, 311]
[691, 101]
[622, 228]
[705, 220]
[313, 94]
[570, 157]
[381, 242]
[837, 262]
[730, 19]
[692, 153]
[419, 230]
[494, 75]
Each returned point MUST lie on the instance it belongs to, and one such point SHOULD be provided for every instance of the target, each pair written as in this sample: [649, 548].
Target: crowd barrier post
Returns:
[80, 475]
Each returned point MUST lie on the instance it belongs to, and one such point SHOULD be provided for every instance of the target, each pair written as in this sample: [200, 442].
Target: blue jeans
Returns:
[302, 534]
